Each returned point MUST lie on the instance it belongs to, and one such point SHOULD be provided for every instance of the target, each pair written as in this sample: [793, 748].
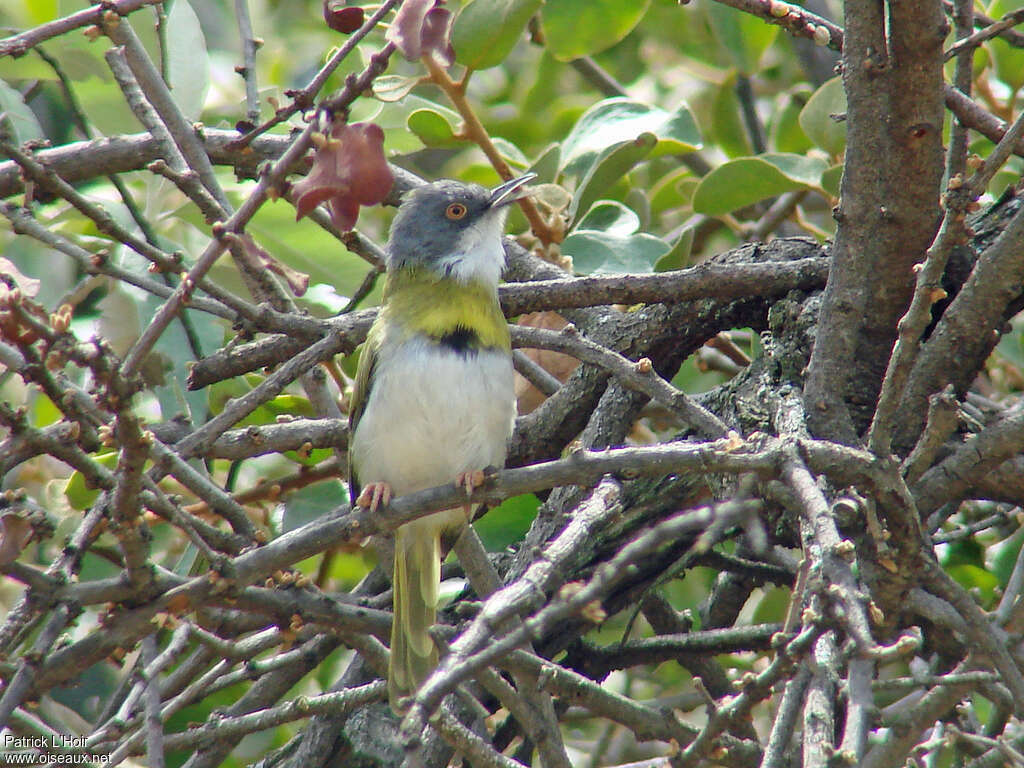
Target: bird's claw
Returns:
[373, 494]
[470, 480]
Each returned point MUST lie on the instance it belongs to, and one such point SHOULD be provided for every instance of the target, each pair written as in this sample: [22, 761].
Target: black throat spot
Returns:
[460, 339]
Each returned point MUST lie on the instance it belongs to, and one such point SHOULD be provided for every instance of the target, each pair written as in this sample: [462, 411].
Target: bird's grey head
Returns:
[453, 229]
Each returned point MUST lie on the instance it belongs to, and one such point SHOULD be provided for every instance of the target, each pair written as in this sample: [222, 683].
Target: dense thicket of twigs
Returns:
[836, 467]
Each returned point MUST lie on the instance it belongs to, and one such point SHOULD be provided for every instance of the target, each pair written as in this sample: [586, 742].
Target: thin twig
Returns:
[248, 69]
[303, 100]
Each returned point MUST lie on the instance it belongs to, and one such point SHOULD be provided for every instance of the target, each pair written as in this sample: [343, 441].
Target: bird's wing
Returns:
[360, 395]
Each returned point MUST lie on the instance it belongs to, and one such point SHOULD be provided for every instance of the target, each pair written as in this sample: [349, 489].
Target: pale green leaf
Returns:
[616, 120]
[595, 253]
[18, 118]
[818, 117]
[188, 62]
[612, 217]
[610, 166]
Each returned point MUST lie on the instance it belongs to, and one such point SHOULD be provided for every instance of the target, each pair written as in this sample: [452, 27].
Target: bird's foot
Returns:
[470, 481]
[373, 494]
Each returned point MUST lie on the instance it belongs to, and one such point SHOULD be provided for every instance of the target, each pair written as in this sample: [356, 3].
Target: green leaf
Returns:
[433, 128]
[308, 504]
[798, 168]
[773, 605]
[547, 163]
[486, 30]
[19, 119]
[510, 152]
[610, 166]
[79, 495]
[612, 217]
[831, 178]
[25, 68]
[280, 406]
[727, 128]
[393, 87]
[741, 35]
[393, 118]
[595, 253]
[1008, 60]
[42, 11]
[42, 412]
[1004, 556]
[508, 522]
[963, 552]
[784, 130]
[188, 62]
[746, 180]
[617, 120]
[817, 120]
[679, 256]
[575, 28]
[673, 190]
[105, 107]
[972, 577]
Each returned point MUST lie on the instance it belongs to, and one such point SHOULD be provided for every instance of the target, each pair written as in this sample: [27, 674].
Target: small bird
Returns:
[433, 401]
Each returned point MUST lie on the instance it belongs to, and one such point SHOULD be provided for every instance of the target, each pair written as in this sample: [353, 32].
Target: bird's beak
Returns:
[510, 191]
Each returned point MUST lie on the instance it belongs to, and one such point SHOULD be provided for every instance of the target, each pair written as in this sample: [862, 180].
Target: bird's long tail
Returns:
[417, 577]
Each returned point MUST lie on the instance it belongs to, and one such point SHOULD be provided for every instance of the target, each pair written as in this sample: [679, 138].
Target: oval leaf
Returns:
[432, 128]
[393, 87]
[614, 121]
[612, 217]
[79, 494]
[799, 168]
[741, 182]
[595, 253]
[816, 118]
[575, 28]
[510, 152]
[486, 30]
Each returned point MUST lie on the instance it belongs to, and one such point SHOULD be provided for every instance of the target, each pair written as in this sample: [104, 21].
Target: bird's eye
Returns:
[455, 211]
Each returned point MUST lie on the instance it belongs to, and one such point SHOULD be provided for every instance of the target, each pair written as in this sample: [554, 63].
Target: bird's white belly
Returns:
[432, 413]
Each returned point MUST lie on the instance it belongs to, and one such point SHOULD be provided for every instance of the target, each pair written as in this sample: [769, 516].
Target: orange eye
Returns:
[455, 211]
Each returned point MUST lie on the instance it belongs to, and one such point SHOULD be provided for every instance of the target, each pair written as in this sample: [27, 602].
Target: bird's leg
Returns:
[373, 494]
[470, 481]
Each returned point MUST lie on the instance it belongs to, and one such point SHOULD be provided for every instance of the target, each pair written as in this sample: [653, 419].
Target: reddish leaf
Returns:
[423, 27]
[349, 170]
[343, 18]
[437, 35]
